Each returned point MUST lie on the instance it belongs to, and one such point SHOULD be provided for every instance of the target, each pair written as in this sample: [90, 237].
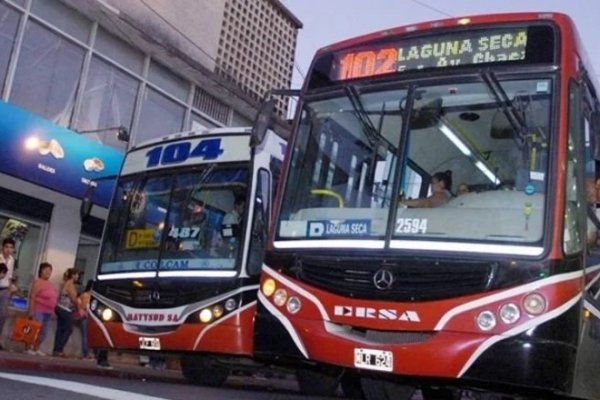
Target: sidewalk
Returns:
[124, 367]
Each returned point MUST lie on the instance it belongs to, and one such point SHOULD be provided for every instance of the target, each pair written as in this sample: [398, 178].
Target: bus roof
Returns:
[194, 133]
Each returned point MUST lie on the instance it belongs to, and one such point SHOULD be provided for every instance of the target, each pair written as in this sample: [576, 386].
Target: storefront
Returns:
[45, 171]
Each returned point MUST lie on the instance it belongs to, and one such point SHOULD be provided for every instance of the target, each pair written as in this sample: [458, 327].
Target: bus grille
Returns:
[413, 280]
[167, 296]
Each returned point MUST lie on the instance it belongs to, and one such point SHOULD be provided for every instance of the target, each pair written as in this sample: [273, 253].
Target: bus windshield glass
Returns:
[175, 222]
[360, 164]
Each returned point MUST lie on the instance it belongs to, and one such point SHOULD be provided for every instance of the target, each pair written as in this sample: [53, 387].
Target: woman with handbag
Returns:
[67, 303]
[41, 304]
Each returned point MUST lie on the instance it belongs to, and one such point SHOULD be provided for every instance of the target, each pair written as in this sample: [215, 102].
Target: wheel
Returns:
[351, 387]
[318, 382]
[374, 389]
[202, 370]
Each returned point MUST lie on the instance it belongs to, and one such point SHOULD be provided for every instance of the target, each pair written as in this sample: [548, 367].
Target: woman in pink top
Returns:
[42, 302]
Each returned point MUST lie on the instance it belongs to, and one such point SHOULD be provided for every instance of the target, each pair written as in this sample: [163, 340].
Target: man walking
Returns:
[6, 257]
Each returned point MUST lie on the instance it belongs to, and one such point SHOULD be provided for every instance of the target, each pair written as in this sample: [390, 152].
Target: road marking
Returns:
[83, 388]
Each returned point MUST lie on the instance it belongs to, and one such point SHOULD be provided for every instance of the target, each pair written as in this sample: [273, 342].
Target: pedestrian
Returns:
[67, 304]
[42, 302]
[6, 257]
[80, 317]
[102, 359]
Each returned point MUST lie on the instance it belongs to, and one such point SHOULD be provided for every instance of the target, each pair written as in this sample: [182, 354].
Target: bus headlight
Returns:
[206, 315]
[93, 304]
[486, 320]
[107, 314]
[268, 287]
[217, 311]
[293, 305]
[534, 303]
[230, 304]
[280, 297]
[510, 313]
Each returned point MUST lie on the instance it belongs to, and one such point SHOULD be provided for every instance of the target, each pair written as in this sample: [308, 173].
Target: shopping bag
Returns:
[26, 330]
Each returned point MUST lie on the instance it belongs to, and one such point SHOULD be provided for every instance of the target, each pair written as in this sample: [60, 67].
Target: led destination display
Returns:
[466, 47]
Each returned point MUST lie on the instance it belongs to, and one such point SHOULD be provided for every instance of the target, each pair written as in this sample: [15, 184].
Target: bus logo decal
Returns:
[388, 314]
[154, 295]
[383, 279]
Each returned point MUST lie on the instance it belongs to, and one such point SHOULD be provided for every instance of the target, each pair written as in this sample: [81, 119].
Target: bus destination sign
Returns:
[445, 50]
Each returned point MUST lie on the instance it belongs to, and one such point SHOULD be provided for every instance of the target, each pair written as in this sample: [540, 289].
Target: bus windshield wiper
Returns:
[370, 131]
[516, 121]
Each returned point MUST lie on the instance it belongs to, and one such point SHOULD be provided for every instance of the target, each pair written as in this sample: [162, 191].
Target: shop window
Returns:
[160, 116]
[28, 244]
[168, 81]
[108, 100]
[62, 17]
[119, 51]
[47, 74]
[9, 21]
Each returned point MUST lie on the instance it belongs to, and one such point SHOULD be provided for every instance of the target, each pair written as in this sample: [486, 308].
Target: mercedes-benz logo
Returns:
[383, 279]
[154, 295]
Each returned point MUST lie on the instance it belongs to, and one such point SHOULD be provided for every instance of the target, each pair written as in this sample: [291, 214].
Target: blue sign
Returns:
[36, 150]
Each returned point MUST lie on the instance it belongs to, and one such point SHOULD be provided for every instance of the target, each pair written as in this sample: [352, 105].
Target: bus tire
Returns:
[203, 371]
[318, 382]
[381, 390]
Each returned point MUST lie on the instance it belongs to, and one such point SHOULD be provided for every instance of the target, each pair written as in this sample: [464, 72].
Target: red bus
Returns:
[183, 248]
[493, 291]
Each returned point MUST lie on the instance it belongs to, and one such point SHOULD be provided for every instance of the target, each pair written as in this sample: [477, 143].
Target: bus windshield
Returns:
[356, 160]
[175, 221]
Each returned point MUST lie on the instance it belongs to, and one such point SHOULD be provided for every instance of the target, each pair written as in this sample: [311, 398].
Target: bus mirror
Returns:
[501, 127]
[262, 123]
[85, 209]
[426, 113]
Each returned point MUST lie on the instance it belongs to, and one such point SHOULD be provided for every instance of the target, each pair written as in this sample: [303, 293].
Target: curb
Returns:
[53, 365]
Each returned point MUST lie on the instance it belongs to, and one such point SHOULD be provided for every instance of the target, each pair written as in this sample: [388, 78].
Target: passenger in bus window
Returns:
[592, 188]
[235, 215]
[441, 182]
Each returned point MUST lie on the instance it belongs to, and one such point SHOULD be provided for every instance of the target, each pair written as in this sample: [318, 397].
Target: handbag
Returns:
[26, 330]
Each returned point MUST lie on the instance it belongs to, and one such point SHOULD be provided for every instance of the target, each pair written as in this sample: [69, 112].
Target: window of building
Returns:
[160, 116]
[119, 51]
[47, 74]
[168, 81]
[62, 17]
[199, 123]
[9, 21]
[108, 100]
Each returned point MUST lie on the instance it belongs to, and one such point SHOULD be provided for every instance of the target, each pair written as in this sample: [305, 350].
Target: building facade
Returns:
[97, 67]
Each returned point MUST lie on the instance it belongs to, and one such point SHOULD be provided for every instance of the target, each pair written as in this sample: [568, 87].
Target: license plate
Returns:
[149, 343]
[378, 360]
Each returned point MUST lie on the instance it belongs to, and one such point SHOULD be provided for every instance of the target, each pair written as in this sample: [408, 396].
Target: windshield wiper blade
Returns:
[371, 132]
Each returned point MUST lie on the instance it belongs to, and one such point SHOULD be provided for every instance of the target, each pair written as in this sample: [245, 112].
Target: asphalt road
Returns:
[34, 385]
